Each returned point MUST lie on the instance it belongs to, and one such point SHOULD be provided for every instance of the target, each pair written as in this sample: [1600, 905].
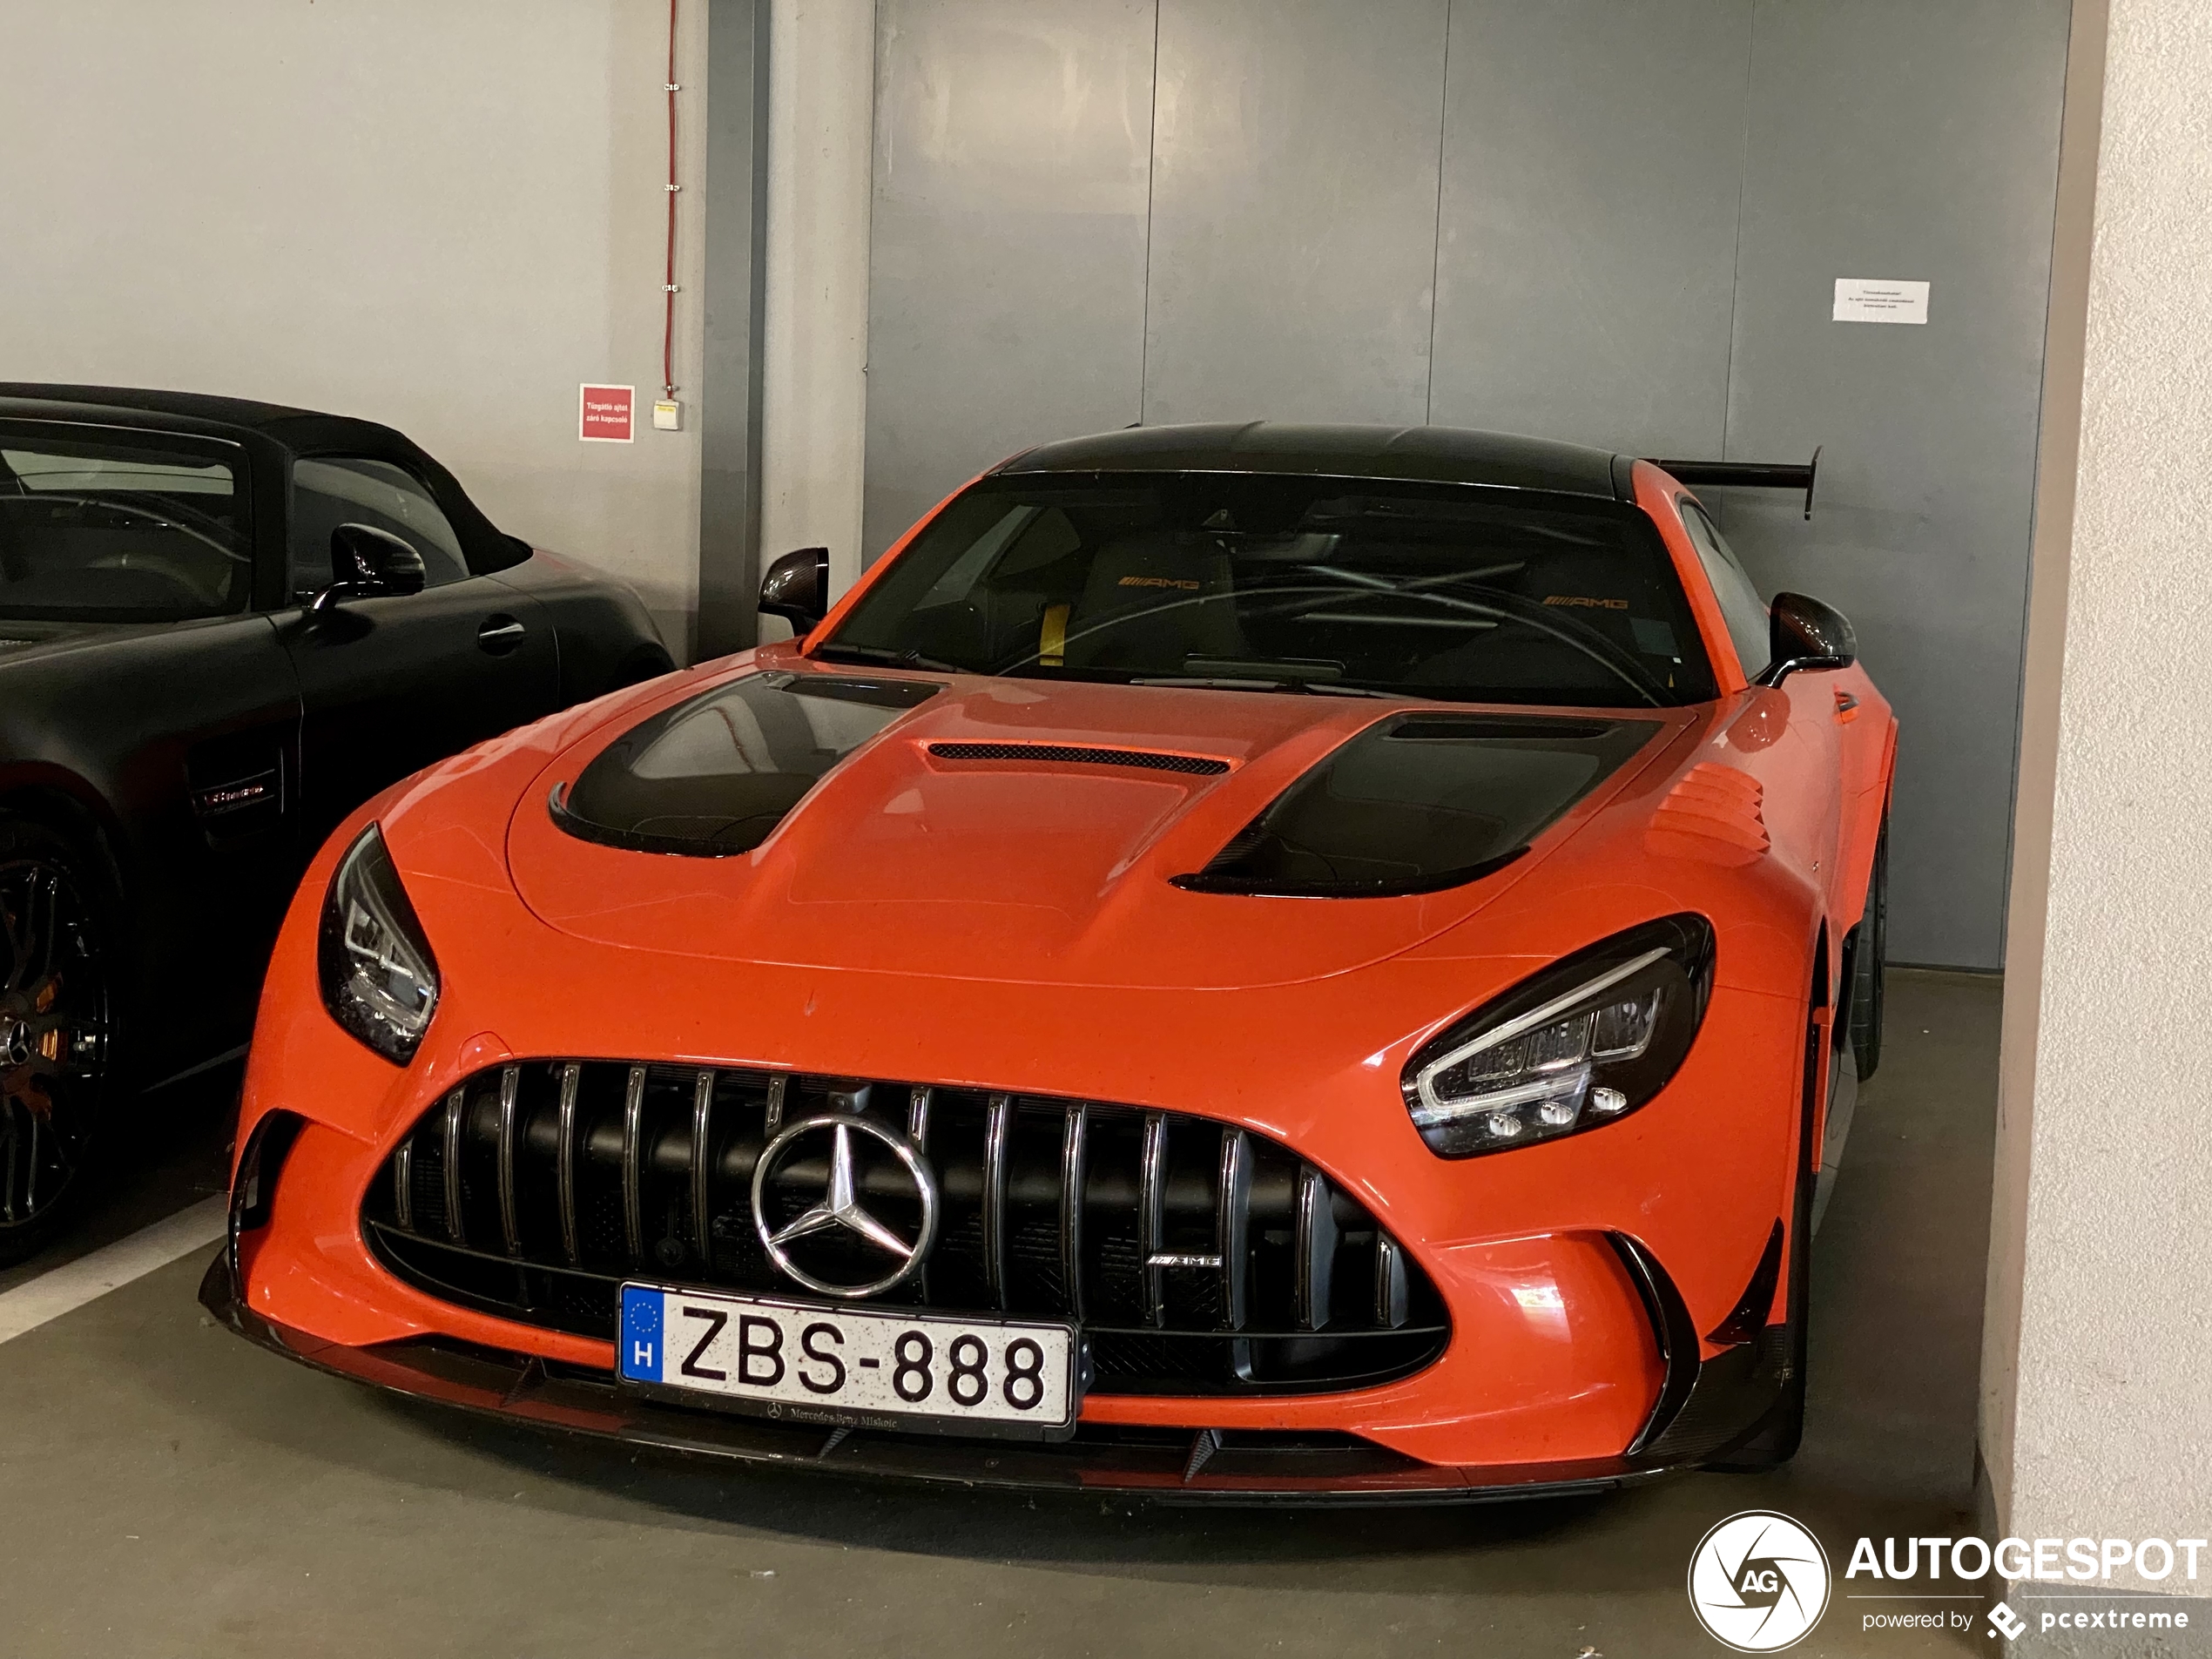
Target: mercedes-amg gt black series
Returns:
[222, 624]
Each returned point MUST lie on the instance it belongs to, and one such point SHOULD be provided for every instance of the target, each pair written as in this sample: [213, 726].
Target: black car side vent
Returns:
[237, 786]
[1077, 754]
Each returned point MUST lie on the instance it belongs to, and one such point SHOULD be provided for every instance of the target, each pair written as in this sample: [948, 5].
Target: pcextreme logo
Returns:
[1758, 1581]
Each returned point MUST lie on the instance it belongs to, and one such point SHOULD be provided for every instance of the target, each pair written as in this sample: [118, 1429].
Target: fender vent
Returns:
[1713, 815]
[237, 784]
[1075, 754]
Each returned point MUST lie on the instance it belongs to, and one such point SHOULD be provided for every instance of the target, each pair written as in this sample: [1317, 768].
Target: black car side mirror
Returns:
[796, 587]
[1803, 633]
[370, 563]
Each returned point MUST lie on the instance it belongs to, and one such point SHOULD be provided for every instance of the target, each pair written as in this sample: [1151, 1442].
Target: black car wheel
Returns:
[56, 1030]
[1869, 949]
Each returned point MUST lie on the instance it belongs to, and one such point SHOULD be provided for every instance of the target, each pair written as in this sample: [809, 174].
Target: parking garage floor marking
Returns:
[74, 1283]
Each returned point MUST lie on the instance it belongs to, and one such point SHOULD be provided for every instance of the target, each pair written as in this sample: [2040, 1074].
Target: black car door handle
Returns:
[499, 634]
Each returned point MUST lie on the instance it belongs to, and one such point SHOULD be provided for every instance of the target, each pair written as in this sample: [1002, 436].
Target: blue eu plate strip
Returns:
[639, 1353]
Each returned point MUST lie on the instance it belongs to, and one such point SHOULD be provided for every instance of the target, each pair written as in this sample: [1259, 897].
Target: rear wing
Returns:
[1746, 474]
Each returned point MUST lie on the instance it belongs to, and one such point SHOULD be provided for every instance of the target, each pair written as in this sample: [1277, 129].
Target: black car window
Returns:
[118, 530]
[1741, 608]
[330, 490]
[1331, 586]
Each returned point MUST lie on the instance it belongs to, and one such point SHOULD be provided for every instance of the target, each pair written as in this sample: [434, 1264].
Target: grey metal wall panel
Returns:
[1006, 283]
[1585, 265]
[1294, 209]
[1918, 140]
[1593, 186]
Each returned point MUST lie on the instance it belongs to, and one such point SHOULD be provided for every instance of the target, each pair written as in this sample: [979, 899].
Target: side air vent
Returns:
[1713, 815]
[1073, 754]
[237, 784]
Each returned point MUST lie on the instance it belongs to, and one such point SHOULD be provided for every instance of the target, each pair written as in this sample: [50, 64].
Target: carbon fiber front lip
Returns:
[518, 1388]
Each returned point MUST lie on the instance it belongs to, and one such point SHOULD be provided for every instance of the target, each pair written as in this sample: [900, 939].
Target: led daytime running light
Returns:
[1580, 1044]
[378, 979]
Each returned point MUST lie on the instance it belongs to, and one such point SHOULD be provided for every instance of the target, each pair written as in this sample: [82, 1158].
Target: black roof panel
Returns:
[188, 406]
[1424, 454]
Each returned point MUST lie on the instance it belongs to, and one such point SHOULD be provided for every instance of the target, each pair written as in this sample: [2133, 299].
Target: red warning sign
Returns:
[604, 414]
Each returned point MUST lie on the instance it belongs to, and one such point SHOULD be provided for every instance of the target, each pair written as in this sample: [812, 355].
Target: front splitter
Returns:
[1196, 1466]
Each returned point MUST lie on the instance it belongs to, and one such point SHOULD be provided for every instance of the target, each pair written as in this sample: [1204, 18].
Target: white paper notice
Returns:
[1868, 300]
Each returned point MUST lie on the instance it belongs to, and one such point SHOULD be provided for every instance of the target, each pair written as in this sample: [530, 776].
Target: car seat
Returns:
[1151, 601]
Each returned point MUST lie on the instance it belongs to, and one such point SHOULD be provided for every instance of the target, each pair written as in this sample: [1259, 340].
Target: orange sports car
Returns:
[1258, 962]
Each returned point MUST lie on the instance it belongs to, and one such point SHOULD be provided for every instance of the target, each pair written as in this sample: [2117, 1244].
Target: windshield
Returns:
[1329, 586]
[92, 530]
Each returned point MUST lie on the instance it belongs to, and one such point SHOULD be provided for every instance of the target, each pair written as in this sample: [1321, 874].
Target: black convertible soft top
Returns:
[300, 431]
[194, 407]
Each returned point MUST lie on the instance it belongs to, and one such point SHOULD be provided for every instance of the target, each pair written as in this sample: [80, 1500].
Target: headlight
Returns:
[1582, 1043]
[378, 979]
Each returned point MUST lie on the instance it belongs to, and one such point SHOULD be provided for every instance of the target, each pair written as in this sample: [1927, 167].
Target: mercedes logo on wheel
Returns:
[847, 1235]
[1758, 1581]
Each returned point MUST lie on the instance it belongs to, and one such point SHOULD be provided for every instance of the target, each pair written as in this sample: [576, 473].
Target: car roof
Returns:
[302, 431]
[193, 406]
[1419, 453]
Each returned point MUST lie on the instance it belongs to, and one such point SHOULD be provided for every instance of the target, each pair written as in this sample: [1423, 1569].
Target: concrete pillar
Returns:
[733, 199]
[2096, 1411]
[821, 111]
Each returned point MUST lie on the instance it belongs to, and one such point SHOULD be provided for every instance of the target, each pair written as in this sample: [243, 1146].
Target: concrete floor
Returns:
[171, 1491]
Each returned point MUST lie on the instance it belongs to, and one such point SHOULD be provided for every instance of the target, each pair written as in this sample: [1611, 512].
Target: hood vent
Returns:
[1418, 803]
[713, 776]
[1065, 754]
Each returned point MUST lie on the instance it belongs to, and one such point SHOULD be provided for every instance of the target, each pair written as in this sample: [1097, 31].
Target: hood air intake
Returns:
[1066, 754]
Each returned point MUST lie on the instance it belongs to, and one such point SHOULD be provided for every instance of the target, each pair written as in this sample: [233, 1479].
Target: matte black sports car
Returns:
[222, 624]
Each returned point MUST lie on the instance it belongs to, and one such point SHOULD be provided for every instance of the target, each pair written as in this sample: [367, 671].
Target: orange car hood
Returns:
[1041, 869]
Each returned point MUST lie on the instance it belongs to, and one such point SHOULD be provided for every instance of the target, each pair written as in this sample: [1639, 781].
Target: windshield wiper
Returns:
[1312, 688]
[888, 657]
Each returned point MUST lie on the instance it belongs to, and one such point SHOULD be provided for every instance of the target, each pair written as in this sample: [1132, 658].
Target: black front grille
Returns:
[1198, 1259]
[1077, 754]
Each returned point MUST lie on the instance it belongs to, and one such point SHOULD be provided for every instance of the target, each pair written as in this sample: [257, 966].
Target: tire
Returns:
[1869, 955]
[58, 961]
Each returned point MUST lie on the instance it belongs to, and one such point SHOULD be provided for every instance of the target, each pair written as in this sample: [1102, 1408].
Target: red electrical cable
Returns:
[668, 294]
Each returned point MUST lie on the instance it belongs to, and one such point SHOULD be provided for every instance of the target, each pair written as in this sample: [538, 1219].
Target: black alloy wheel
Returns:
[56, 1032]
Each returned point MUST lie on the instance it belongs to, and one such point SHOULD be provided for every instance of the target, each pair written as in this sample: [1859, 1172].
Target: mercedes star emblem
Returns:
[839, 1208]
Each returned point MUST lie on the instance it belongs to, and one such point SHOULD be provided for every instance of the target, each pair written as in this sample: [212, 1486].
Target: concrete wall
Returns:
[2096, 1417]
[442, 216]
[1618, 224]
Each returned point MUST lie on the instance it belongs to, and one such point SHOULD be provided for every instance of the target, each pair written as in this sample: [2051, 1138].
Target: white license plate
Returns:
[801, 1361]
